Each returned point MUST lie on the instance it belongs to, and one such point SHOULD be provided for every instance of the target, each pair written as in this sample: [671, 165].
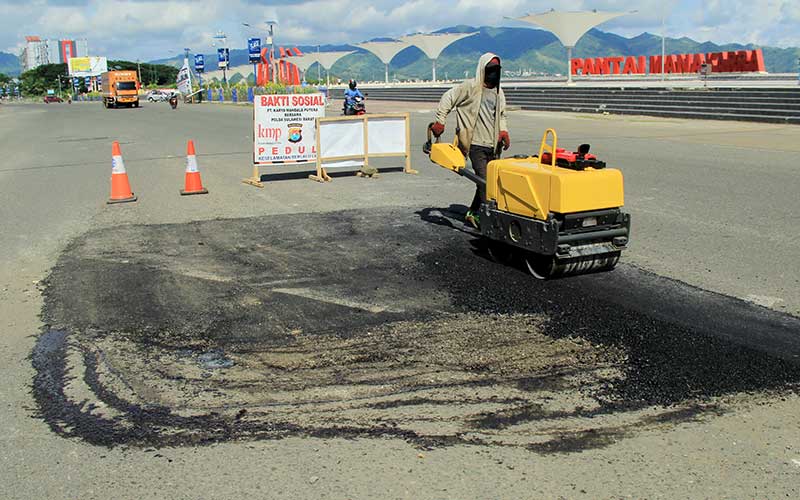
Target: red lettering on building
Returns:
[721, 62]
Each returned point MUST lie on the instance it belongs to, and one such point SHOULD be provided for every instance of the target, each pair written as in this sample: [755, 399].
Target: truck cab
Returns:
[120, 88]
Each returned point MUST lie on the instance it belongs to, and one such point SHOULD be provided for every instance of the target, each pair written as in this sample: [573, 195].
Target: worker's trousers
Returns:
[479, 156]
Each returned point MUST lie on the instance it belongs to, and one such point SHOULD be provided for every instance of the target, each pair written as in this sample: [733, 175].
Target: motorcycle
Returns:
[173, 101]
[354, 106]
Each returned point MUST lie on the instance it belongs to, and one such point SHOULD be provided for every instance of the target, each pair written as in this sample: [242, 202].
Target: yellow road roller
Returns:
[561, 212]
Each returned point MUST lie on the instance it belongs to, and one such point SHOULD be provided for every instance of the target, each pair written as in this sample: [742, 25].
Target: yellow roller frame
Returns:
[545, 147]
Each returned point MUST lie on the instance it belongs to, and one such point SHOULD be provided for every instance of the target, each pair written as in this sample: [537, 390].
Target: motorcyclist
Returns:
[480, 107]
[350, 95]
[173, 100]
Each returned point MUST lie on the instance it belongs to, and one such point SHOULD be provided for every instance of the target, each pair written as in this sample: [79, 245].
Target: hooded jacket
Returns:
[466, 100]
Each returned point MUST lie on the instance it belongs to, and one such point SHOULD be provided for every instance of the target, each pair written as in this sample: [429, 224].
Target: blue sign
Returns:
[199, 63]
[76, 82]
[222, 58]
[88, 80]
[254, 49]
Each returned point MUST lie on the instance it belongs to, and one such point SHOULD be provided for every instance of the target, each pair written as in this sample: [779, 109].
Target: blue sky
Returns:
[152, 29]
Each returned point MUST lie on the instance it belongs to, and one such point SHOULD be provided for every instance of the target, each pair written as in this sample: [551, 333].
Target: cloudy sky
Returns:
[153, 29]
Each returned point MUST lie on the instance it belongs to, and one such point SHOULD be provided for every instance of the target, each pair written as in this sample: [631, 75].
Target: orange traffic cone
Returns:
[120, 187]
[193, 183]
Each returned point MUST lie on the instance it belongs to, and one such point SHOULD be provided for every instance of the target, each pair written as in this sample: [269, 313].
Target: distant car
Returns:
[52, 98]
[157, 96]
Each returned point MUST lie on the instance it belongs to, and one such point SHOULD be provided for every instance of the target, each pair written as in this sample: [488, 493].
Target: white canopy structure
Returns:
[433, 44]
[569, 27]
[303, 62]
[385, 51]
[328, 59]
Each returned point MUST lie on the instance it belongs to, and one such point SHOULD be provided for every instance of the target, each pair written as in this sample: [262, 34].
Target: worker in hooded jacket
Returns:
[480, 108]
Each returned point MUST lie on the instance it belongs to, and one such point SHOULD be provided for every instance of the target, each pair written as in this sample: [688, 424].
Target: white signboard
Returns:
[344, 138]
[387, 135]
[284, 127]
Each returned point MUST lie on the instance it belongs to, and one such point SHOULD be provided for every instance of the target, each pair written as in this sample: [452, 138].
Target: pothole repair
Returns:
[342, 325]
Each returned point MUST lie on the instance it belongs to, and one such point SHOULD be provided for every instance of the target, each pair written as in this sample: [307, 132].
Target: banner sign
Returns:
[222, 58]
[254, 50]
[721, 62]
[199, 63]
[184, 79]
[87, 66]
[284, 127]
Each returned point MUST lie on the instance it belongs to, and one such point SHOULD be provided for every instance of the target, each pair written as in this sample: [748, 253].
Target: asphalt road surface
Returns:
[353, 340]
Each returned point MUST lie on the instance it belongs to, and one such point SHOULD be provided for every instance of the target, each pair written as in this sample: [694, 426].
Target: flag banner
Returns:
[184, 79]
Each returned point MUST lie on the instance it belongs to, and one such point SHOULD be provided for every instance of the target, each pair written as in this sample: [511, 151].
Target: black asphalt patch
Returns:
[379, 323]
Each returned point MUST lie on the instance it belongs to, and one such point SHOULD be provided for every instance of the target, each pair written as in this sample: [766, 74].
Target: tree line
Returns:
[48, 76]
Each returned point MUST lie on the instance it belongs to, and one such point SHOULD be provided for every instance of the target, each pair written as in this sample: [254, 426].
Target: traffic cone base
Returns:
[120, 187]
[111, 201]
[193, 183]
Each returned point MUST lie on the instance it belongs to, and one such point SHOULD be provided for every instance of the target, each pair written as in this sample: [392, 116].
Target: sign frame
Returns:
[322, 173]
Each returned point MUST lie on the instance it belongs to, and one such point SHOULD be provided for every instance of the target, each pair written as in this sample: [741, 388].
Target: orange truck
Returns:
[120, 88]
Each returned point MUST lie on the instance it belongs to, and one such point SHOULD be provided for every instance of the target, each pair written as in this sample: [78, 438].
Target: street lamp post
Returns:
[223, 45]
[255, 70]
[271, 42]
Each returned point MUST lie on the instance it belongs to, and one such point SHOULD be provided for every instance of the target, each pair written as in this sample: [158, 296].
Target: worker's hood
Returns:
[480, 73]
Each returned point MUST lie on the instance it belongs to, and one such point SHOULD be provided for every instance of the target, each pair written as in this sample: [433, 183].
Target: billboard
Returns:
[87, 66]
[254, 50]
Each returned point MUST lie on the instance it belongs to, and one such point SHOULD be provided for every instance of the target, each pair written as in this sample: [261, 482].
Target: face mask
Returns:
[492, 76]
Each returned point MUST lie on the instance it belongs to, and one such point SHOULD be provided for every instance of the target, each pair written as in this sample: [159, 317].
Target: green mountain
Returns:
[521, 49]
[9, 64]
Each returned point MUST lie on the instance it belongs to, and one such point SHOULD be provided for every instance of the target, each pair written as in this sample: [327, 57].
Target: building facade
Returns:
[38, 51]
[34, 54]
[66, 50]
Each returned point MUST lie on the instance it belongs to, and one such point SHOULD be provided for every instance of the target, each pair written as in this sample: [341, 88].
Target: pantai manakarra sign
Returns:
[721, 62]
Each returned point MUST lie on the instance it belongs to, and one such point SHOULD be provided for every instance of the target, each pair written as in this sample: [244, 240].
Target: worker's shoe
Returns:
[473, 219]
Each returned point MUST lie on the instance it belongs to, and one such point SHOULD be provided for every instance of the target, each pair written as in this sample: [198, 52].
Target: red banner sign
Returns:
[721, 62]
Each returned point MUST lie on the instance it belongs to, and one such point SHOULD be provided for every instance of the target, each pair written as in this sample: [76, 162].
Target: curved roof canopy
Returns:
[433, 44]
[384, 50]
[303, 62]
[328, 59]
[568, 27]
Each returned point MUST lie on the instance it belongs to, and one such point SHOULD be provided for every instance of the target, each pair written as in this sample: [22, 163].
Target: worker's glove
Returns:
[437, 129]
[505, 139]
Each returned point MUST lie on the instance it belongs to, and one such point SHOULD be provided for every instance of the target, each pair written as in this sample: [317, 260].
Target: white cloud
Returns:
[151, 29]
